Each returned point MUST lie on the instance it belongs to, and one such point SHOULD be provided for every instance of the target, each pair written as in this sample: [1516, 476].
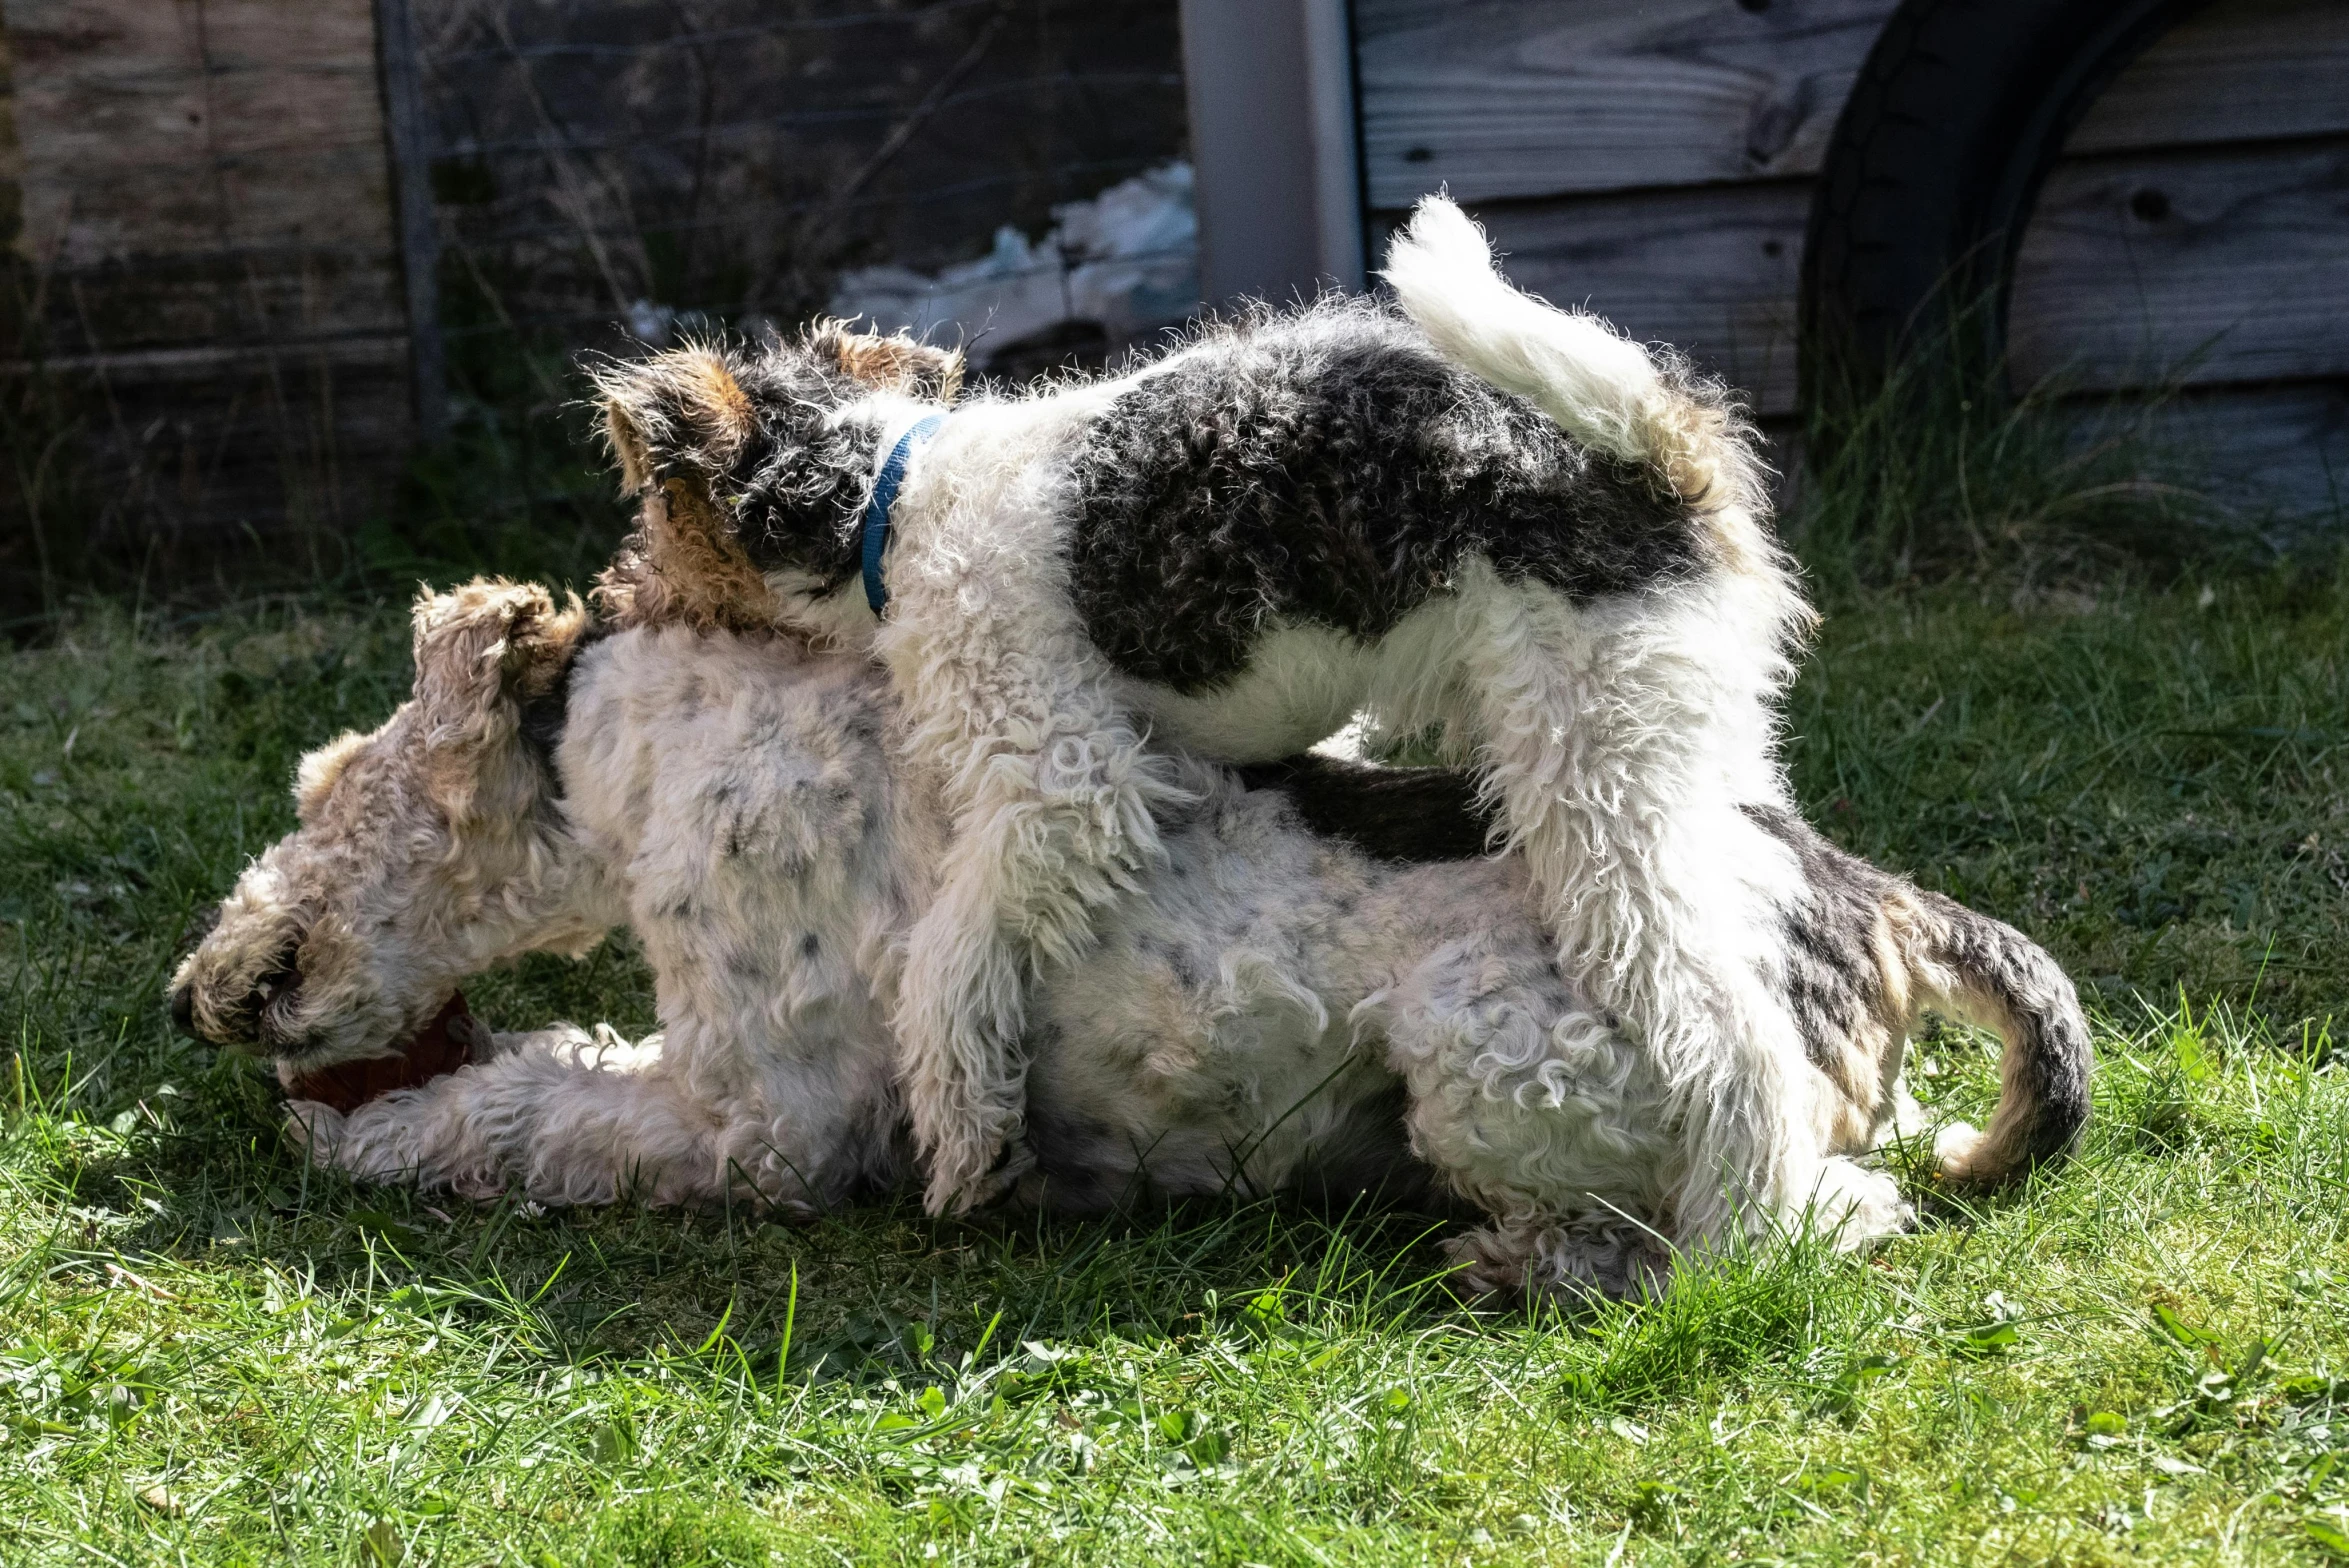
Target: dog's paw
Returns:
[1487, 1263]
[969, 1194]
[1856, 1206]
[1957, 1149]
[315, 1129]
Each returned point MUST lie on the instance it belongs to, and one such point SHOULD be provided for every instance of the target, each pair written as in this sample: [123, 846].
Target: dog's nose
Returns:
[183, 1009]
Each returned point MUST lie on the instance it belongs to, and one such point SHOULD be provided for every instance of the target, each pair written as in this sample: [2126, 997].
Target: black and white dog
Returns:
[1475, 512]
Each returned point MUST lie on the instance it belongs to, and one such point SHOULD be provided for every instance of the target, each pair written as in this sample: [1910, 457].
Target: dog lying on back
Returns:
[1277, 1008]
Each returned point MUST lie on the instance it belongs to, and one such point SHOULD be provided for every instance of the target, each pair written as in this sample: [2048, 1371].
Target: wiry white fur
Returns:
[1242, 1020]
[1621, 739]
[1054, 795]
[1599, 386]
[1304, 685]
[1669, 893]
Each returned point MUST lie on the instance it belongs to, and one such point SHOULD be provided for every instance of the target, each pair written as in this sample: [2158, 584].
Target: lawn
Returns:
[211, 1355]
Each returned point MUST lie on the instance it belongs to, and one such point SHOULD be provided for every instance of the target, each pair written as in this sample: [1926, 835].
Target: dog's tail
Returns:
[1604, 390]
[1970, 966]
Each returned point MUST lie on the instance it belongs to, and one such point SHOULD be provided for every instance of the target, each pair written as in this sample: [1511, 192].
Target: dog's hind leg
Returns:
[1621, 732]
[1620, 738]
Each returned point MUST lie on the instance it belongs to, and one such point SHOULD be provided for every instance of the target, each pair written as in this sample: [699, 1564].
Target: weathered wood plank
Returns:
[116, 83]
[288, 448]
[2276, 454]
[2241, 70]
[262, 37]
[204, 360]
[143, 302]
[2221, 264]
[138, 141]
[1501, 98]
[1525, 98]
[1712, 271]
[206, 205]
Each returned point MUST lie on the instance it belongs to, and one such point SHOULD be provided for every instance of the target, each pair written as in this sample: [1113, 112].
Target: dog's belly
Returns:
[1300, 686]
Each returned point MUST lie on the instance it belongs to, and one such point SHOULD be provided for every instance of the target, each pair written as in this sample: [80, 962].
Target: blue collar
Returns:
[874, 526]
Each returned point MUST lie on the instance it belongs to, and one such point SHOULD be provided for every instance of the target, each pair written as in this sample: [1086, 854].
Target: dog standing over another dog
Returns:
[1477, 511]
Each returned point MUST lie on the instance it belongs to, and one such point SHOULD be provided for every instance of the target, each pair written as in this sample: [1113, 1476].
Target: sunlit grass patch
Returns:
[208, 1353]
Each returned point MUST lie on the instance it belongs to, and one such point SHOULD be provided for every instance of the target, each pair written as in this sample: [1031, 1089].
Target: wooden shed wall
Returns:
[203, 266]
[1657, 163]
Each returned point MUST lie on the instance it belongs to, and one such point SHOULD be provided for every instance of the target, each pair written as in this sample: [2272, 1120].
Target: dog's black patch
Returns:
[1331, 468]
[1832, 980]
[1406, 814]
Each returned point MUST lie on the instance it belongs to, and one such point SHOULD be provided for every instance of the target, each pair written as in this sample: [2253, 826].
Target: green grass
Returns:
[209, 1355]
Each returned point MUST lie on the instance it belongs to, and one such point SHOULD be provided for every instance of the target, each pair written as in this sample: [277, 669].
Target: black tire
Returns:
[1935, 164]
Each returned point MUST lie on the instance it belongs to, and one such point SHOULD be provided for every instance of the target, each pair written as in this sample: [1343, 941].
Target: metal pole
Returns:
[419, 231]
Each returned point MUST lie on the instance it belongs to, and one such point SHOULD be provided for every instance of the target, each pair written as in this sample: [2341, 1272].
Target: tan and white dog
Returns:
[1279, 1005]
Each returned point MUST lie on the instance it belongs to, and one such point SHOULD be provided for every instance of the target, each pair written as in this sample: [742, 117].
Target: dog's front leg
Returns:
[566, 1117]
[1007, 703]
[1043, 839]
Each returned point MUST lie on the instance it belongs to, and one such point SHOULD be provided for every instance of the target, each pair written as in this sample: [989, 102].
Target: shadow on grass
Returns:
[871, 1291]
[880, 1295]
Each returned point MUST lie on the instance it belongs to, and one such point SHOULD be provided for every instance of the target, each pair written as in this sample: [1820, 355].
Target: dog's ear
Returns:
[482, 651]
[314, 778]
[684, 409]
[895, 363]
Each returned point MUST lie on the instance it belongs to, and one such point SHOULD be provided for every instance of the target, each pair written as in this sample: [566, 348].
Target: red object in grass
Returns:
[441, 1046]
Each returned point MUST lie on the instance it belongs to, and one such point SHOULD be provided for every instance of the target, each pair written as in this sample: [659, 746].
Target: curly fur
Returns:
[1274, 1008]
[1475, 510]
[423, 844]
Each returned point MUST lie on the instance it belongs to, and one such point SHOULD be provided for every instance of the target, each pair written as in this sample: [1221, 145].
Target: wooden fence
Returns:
[225, 217]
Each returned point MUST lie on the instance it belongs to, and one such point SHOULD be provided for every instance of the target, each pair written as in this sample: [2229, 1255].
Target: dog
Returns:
[1467, 511]
[1282, 1005]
